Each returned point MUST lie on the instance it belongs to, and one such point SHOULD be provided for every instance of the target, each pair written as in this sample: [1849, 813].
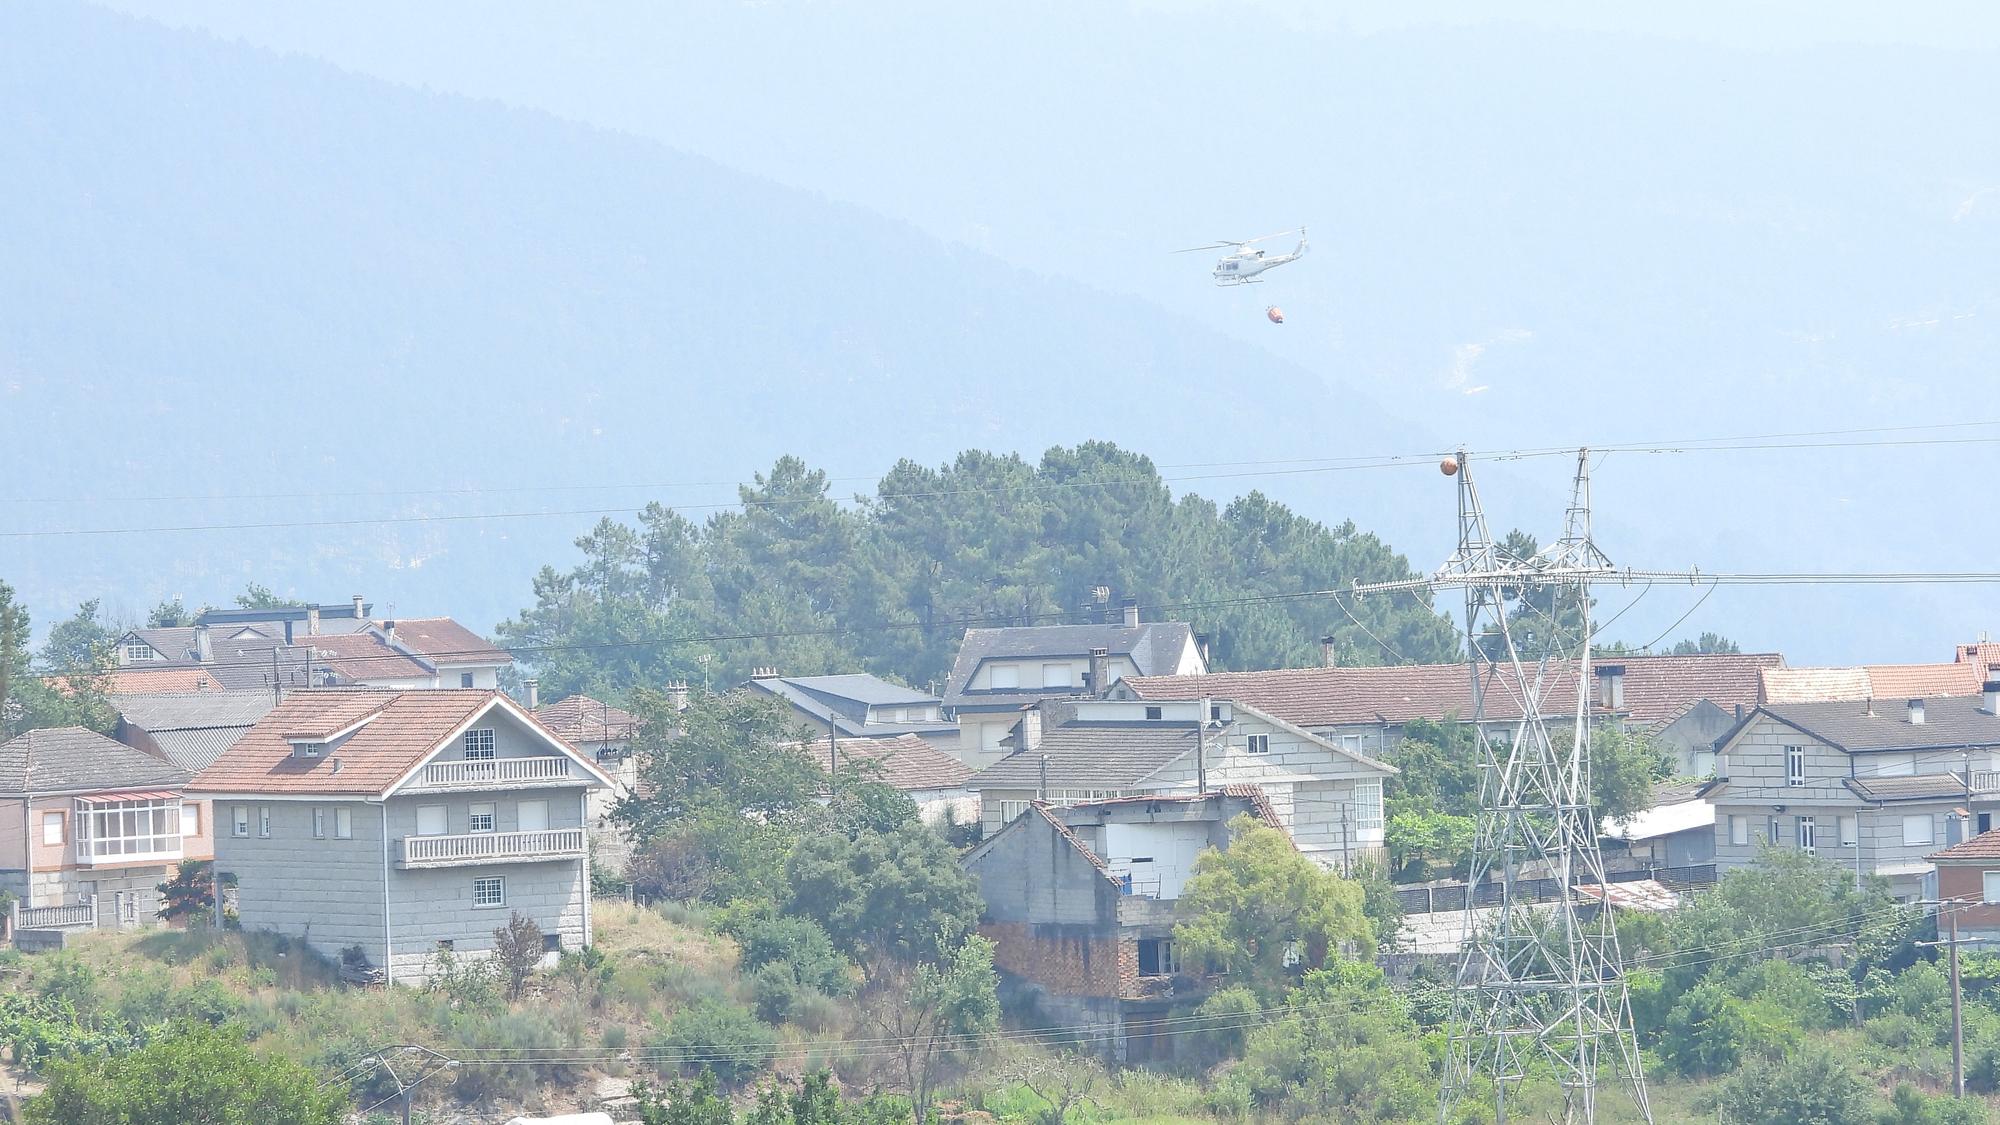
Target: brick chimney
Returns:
[1327, 656]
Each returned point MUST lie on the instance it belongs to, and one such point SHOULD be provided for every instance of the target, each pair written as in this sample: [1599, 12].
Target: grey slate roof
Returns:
[193, 729]
[75, 760]
[1949, 723]
[1093, 756]
[843, 701]
[1154, 646]
[172, 643]
[1913, 787]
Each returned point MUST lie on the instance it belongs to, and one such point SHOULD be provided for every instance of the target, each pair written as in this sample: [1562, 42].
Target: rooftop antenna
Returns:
[1543, 985]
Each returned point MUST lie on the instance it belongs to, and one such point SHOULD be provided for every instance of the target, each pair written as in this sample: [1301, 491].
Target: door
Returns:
[534, 816]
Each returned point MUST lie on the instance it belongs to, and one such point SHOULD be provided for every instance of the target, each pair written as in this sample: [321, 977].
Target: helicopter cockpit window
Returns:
[1231, 266]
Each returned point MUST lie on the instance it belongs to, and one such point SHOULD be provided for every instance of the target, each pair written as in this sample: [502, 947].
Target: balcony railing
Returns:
[484, 772]
[75, 916]
[492, 847]
[1985, 781]
[88, 855]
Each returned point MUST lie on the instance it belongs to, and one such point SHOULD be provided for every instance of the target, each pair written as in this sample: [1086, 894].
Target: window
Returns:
[1351, 743]
[447, 944]
[1795, 765]
[532, 816]
[1991, 880]
[309, 749]
[479, 744]
[264, 821]
[1739, 831]
[128, 828]
[482, 818]
[1892, 765]
[239, 821]
[551, 943]
[1011, 809]
[52, 828]
[1367, 804]
[139, 651]
[1154, 712]
[1917, 829]
[1771, 831]
[343, 824]
[431, 820]
[319, 824]
[1156, 958]
[1056, 675]
[1004, 676]
[190, 819]
[1808, 836]
[465, 679]
[490, 890]
[1847, 836]
[1258, 744]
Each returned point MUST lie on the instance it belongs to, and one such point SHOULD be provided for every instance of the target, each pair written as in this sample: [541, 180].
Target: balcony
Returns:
[491, 847]
[490, 773]
[1986, 781]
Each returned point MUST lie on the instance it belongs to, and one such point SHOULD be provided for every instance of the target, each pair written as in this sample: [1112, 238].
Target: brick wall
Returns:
[1066, 960]
[1968, 884]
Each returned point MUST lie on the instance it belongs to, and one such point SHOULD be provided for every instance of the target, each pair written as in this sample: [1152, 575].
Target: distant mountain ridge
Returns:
[233, 272]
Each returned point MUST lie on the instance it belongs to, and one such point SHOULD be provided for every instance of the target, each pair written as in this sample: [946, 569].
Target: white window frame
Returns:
[190, 818]
[1808, 835]
[263, 822]
[1257, 744]
[52, 819]
[138, 652]
[1795, 765]
[1913, 820]
[239, 821]
[1166, 958]
[343, 824]
[489, 892]
[478, 744]
[1009, 810]
[309, 749]
[475, 817]
[1989, 886]
[319, 823]
[1367, 805]
[1849, 833]
[111, 830]
[1739, 831]
[1351, 743]
[1010, 673]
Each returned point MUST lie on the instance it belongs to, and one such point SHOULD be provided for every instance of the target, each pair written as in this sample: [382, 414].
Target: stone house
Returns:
[1001, 671]
[858, 705]
[931, 778]
[1081, 902]
[93, 820]
[1685, 702]
[1328, 798]
[1878, 787]
[404, 823]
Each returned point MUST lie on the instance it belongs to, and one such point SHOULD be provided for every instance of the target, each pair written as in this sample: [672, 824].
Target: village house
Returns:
[1967, 874]
[1328, 798]
[1081, 902]
[1971, 666]
[97, 827]
[304, 646]
[402, 823]
[1001, 671]
[189, 729]
[1874, 785]
[1675, 835]
[932, 779]
[858, 705]
[605, 733]
[1684, 702]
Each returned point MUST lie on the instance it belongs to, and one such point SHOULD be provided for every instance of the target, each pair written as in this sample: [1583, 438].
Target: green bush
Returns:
[799, 943]
[776, 992]
[509, 1031]
[725, 1039]
[1812, 1086]
[1705, 1032]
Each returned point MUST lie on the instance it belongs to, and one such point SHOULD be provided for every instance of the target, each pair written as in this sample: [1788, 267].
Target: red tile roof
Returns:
[152, 681]
[363, 656]
[581, 719]
[1656, 688]
[1985, 846]
[445, 641]
[904, 762]
[1871, 681]
[405, 728]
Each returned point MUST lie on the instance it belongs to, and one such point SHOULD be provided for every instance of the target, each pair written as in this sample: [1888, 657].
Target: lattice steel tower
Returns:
[1540, 985]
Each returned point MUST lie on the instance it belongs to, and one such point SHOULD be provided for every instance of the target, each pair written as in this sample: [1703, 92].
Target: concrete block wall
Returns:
[327, 892]
[1065, 960]
[431, 905]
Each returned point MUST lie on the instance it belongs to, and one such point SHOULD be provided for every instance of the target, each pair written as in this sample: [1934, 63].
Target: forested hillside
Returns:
[797, 581]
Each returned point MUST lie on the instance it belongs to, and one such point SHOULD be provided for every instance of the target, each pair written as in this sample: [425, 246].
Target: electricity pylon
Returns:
[1538, 985]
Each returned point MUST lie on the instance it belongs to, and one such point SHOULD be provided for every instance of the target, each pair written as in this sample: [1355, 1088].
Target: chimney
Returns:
[1916, 707]
[1028, 732]
[204, 652]
[1201, 647]
[677, 694]
[1100, 661]
[357, 607]
[1991, 689]
[389, 631]
[1042, 788]
[288, 630]
[763, 673]
[1131, 608]
[1327, 658]
[534, 693]
[312, 621]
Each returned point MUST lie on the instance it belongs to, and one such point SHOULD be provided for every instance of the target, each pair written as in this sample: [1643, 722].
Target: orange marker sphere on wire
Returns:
[1448, 466]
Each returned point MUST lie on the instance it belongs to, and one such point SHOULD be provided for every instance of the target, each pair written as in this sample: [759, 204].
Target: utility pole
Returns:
[1201, 749]
[1957, 1016]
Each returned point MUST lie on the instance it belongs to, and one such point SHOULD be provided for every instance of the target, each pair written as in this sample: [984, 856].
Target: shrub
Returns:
[517, 949]
[514, 1032]
[1811, 1086]
[798, 943]
[776, 992]
[724, 1039]
[1705, 1032]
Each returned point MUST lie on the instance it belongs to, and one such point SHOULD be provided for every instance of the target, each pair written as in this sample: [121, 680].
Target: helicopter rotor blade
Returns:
[1280, 234]
[1210, 246]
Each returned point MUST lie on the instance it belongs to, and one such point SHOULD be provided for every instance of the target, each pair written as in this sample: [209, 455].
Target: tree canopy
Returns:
[1261, 912]
[888, 583]
[194, 1074]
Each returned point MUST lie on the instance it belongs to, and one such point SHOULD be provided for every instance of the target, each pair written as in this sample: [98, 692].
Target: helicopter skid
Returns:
[1239, 281]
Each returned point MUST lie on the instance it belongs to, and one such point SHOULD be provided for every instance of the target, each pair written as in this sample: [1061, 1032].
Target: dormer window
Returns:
[139, 651]
[308, 749]
[479, 744]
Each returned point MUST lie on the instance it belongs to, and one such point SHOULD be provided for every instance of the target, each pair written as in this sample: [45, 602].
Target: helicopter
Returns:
[1243, 264]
